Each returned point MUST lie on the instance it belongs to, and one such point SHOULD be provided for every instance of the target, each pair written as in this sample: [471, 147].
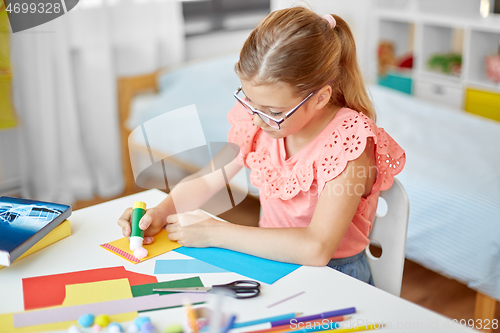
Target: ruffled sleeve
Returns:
[243, 132]
[348, 142]
[391, 159]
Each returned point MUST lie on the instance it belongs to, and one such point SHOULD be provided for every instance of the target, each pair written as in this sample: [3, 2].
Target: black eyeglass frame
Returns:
[265, 117]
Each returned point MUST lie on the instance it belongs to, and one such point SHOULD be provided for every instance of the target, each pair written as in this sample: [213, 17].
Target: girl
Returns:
[305, 127]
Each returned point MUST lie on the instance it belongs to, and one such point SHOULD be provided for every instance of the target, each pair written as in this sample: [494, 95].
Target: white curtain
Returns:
[64, 85]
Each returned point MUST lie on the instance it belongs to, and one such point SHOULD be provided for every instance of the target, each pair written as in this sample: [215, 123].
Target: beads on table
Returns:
[115, 328]
[74, 329]
[86, 320]
[147, 327]
[102, 320]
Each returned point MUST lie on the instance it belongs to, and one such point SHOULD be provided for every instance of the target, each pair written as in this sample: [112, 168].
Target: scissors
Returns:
[239, 289]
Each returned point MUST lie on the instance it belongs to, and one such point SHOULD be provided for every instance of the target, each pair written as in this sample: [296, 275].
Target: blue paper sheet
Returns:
[264, 270]
[180, 266]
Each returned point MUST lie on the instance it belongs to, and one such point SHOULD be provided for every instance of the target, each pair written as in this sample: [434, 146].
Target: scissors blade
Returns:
[185, 290]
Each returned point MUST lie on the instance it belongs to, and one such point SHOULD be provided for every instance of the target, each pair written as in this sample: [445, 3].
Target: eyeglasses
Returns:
[274, 123]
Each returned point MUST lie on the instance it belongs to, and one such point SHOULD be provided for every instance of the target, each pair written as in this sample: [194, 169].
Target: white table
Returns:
[325, 289]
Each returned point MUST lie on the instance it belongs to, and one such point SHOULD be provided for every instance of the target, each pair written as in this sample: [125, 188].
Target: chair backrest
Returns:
[389, 231]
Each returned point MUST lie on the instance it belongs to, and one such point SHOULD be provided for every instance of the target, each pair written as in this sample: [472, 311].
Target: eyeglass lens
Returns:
[265, 119]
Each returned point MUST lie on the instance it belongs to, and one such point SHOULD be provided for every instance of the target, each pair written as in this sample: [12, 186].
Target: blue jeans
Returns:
[355, 266]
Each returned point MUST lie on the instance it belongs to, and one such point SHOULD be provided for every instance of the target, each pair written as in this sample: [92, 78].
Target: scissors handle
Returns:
[240, 284]
[242, 288]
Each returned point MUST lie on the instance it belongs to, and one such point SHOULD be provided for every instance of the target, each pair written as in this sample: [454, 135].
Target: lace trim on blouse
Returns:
[345, 143]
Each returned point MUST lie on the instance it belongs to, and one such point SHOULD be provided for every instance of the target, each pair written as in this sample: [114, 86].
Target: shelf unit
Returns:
[428, 27]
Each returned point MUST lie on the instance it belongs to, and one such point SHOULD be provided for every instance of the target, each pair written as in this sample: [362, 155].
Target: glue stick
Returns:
[137, 234]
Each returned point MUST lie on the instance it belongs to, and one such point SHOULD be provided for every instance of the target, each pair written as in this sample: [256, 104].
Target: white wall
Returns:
[215, 44]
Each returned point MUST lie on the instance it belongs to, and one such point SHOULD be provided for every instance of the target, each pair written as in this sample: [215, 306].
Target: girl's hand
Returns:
[193, 229]
[152, 222]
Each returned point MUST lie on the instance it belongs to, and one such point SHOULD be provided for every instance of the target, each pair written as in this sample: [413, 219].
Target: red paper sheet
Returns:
[49, 290]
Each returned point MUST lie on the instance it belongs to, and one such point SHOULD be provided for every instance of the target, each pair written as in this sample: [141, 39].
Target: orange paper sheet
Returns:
[161, 245]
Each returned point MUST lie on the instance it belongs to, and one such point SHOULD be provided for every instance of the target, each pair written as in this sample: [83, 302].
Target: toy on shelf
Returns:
[405, 61]
[386, 56]
[450, 63]
[493, 67]
[387, 60]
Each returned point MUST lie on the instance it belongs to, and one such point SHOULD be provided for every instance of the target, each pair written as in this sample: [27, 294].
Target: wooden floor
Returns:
[420, 285]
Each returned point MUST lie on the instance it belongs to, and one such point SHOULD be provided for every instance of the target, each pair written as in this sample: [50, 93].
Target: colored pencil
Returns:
[331, 326]
[285, 317]
[323, 315]
[374, 326]
[285, 299]
[229, 324]
[191, 314]
[284, 328]
[337, 330]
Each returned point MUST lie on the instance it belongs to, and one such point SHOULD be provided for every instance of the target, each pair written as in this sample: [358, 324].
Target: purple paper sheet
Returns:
[150, 302]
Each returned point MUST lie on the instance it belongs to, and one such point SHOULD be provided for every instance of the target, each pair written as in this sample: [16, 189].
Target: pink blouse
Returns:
[290, 188]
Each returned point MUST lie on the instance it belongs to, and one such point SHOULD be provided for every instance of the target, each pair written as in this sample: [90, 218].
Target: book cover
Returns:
[63, 230]
[24, 222]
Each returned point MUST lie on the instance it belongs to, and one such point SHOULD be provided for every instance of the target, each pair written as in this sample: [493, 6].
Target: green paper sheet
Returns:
[147, 289]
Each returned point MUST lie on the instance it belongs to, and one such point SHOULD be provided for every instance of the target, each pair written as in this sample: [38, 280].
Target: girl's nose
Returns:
[257, 121]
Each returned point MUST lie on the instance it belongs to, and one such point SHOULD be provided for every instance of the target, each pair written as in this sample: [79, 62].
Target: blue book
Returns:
[24, 222]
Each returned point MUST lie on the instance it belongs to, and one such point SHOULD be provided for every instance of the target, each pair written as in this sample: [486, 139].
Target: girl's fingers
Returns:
[126, 214]
[172, 218]
[173, 227]
[173, 236]
[148, 240]
[146, 220]
[125, 227]
[124, 222]
[126, 230]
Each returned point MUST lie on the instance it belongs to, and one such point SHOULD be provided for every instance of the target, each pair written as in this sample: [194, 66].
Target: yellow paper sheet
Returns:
[161, 245]
[83, 293]
[61, 231]
[95, 292]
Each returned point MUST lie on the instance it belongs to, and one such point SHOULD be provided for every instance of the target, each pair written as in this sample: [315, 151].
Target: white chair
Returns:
[389, 231]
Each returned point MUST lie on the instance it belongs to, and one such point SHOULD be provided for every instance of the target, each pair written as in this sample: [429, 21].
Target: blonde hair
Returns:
[298, 47]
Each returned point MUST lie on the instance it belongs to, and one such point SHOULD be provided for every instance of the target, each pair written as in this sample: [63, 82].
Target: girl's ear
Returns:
[323, 97]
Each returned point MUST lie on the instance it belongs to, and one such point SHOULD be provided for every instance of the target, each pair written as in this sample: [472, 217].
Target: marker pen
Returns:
[136, 233]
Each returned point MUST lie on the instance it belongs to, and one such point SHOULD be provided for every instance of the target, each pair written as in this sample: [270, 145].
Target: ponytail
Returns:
[350, 86]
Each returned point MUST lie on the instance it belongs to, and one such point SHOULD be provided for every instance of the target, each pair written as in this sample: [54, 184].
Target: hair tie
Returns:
[330, 20]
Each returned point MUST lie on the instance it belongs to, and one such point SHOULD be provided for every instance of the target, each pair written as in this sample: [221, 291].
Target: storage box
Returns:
[483, 103]
[439, 92]
[397, 81]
